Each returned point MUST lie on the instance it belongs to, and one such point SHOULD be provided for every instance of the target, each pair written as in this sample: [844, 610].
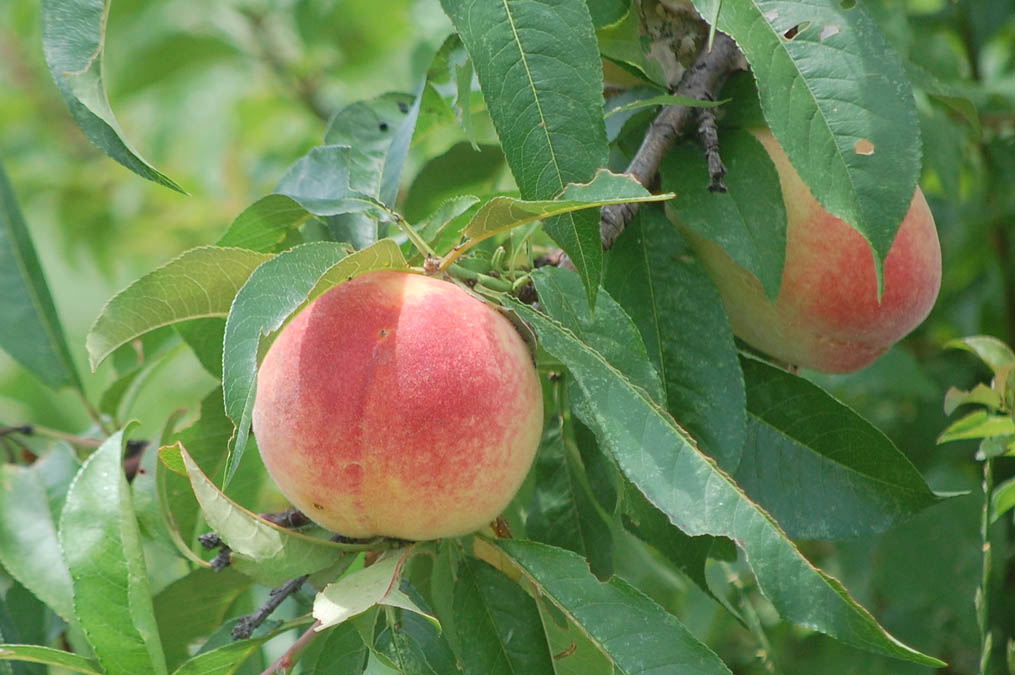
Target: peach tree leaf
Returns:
[978, 424]
[263, 224]
[273, 293]
[504, 213]
[749, 220]
[73, 37]
[665, 464]
[358, 591]
[650, 271]
[268, 553]
[498, 623]
[539, 67]
[635, 633]
[32, 333]
[30, 505]
[414, 644]
[200, 283]
[101, 545]
[183, 621]
[49, 656]
[563, 509]
[855, 141]
[819, 468]
[996, 354]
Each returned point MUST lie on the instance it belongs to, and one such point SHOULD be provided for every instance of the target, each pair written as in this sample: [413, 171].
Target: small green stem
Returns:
[983, 592]
[412, 234]
[751, 618]
[486, 280]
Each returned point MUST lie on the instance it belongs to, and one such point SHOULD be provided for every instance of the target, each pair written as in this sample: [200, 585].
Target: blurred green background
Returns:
[223, 96]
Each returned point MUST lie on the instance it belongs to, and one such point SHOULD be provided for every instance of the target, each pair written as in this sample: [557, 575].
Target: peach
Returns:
[398, 405]
[827, 316]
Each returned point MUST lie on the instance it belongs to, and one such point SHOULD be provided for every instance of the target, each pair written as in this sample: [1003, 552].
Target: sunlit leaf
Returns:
[201, 283]
[101, 544]
[57, 658]
[73, 39]
[359, 591]
[990, 350]
[269, 553]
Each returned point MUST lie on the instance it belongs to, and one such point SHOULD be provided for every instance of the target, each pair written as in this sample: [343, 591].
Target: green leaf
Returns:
[32, 334]
[225, 660]
[498, 623]
[29, 546]
[563, 511]
[631, 629]
[609, 330]
[461, 170]
[206, 441]
[996, 354]
[381, 129]
[854, 140]
[820, 469]
[688, 554]
[1002, 499]
[73, 37]
[205, 337]
[665, 464]
[201, 283]
[573, 652]
[271, 295]
[50, 657]
[978, 424]
[102, 547]
[749, 220]
[183, 621]
[607, 12]
[666, 99]
[981, 394]
[267, 552]
[946, 94]
[414, 645]
[263, 225]
[357, 592]
[340, 651]
[652, 274]
[504, 213]
[539, 67]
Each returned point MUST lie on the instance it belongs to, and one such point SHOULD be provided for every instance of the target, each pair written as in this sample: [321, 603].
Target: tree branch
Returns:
[701, 81]
[245, 627]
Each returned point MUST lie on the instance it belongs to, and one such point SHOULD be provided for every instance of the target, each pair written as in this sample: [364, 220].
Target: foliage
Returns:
[693, 507]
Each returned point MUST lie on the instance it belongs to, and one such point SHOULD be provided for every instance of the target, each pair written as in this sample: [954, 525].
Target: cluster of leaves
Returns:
[669, 455]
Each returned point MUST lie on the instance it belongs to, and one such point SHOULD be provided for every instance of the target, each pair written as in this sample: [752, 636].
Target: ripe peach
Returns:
[398, 405]
[827, 316]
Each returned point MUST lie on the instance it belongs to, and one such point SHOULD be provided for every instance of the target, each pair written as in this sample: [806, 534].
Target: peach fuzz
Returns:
[827, 316]
[398, 405]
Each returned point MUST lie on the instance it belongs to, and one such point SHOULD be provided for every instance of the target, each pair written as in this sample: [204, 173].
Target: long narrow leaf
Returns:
[666, 465]
[73, 37]
[539, 67]
[31, 331]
